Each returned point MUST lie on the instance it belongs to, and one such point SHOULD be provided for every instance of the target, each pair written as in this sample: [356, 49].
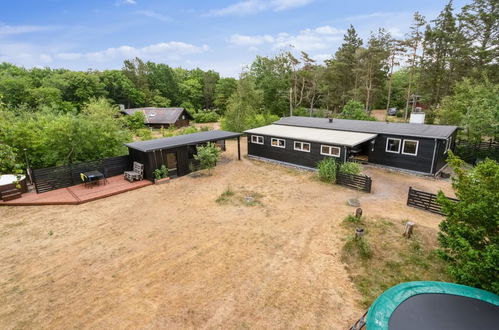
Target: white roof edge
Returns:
[317, 135]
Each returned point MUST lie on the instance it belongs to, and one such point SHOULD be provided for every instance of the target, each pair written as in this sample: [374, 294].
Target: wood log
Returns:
[409, 226]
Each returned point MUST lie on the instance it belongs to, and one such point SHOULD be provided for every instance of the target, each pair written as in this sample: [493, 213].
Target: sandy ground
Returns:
[169, 256]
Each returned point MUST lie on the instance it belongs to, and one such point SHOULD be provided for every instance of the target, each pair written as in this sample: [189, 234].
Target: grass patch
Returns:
[225, 196]
[352, 219]
[384, 258]
[240, 197]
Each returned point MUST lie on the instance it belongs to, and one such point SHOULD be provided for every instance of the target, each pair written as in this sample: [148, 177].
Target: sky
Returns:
[221, 35]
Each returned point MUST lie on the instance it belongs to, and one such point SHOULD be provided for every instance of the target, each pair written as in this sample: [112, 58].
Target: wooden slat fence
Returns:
[471, 152]
[52, 178]
[425, 200]
[359, 182]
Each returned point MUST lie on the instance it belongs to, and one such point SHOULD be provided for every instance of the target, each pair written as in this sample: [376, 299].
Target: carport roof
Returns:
[181, 140]
[343, 138]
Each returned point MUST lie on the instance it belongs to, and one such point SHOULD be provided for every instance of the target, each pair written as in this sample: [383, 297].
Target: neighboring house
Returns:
[162, 117]
[304, 141]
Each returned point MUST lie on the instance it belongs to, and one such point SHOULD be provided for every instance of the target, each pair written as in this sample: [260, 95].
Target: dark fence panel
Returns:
[426, 201]
[360, 182]
[471, 152]
[52, 178]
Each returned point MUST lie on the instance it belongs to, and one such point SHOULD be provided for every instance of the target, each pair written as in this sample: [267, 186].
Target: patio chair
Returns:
[136, 174]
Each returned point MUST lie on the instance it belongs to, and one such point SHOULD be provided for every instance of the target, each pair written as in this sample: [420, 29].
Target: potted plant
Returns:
[161, 175]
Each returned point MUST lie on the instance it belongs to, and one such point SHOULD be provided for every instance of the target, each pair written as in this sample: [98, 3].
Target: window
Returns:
[410, 147]
[302, 146]
[280, 143]
[448, 144]
[257, 139]
[330, 151]
[393, 145]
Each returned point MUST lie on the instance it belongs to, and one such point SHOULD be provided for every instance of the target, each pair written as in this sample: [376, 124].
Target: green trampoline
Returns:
[432, 305]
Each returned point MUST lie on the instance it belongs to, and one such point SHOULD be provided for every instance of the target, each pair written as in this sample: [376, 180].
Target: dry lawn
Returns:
[384, 257]
[171, 256]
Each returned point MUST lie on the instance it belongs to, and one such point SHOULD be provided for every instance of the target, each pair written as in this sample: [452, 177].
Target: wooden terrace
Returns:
[78, 194]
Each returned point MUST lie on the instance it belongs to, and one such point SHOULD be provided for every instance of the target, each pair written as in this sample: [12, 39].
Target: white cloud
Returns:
[6, 30]
[288, 4]
[125, 2]
[173, 50]
[153, 14]
[368, 16]
[255, 6]
[308, 40]
[242, 40]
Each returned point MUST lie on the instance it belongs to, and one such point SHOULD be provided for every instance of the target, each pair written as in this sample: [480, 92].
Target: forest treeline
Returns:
[450, 62]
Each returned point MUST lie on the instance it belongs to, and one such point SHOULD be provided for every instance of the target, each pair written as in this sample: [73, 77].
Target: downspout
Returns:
[345, 155]
[433, 158]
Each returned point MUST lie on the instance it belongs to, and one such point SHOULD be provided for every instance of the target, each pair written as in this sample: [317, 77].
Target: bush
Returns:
[143, 134]
[135, 121]
[262, 119]
[469, 236]
[161, 173]
[187, 130]
[326, 170]
[350, 168]
[208, 156]
[206, 117]
[355, 110]
[8, 163]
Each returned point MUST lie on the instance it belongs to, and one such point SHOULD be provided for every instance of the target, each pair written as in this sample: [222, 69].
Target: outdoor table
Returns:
[94, 176]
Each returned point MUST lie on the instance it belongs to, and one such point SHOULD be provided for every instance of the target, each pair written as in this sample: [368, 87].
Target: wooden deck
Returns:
[78, 194]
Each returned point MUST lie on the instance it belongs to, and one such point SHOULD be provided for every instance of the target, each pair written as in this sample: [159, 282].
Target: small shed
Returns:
[176, 152]
[162, 117]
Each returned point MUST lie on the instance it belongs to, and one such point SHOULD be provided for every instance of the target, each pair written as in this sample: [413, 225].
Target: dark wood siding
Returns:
[154, 159]
[288, 154]
[441, 157]
[420, 163]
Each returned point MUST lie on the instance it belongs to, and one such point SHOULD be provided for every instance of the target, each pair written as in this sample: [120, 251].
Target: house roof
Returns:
[342, 138]
[181, 140]
[376, 127]
[159, 115]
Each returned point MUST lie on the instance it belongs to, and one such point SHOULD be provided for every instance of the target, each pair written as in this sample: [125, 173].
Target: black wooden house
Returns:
[304, 141]
[176, 153]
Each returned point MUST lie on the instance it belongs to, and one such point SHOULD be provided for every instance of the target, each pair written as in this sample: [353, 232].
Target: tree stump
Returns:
[409, 226]
[359, 232]
[358, 213]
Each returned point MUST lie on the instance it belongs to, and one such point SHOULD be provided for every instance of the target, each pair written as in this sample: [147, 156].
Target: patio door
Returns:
[171, 163]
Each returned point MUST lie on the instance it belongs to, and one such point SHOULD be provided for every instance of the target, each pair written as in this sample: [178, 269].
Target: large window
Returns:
[302, 146]
[410, 147]
[257, 139]
[279, 143]
[330, 151]
[393, 145]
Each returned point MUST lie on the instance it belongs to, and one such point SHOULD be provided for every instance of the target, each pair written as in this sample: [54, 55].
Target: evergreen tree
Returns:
[341, 74]
[480, 25]
[413, 43]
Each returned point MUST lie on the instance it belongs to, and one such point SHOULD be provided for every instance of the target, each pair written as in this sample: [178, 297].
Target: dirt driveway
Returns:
[170, 256]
